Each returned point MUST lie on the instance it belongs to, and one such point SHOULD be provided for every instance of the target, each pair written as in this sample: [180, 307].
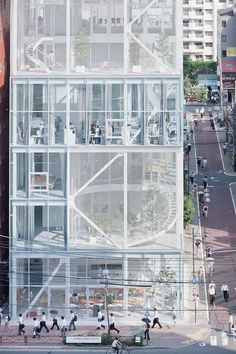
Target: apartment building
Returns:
[200, 28]
[96, 156]
[4, 145]
[227, 52]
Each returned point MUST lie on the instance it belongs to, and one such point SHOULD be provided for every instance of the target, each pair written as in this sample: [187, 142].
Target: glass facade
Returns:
[95, 156]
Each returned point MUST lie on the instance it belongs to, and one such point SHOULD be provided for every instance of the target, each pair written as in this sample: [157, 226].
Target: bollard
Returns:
[26, 340]
[0, 340]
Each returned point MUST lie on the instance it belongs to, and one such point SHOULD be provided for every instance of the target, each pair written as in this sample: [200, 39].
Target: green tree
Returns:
[81, 45]
[191, 68]
[188, 209]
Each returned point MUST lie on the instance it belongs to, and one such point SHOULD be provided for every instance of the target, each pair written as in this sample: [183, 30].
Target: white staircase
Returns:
[36, 55]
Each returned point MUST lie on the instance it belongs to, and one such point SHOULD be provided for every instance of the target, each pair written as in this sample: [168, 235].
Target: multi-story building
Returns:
[96, 155]
[200, 28]
[4, 144]
[227, 52]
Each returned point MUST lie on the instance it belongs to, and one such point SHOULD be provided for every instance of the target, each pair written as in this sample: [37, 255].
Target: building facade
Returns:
[4, 145]
[227, 53]
[200, 28]
[96, 155]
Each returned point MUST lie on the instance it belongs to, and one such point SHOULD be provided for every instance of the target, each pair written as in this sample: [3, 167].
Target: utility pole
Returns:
[106, 280]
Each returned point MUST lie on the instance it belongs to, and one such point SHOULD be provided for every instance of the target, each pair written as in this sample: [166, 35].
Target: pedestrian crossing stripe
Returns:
[213, 340]
[224, 338]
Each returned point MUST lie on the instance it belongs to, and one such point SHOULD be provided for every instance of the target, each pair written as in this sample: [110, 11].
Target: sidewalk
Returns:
[174, 337]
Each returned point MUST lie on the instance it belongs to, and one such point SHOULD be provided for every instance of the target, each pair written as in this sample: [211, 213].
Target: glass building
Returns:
[96, 155]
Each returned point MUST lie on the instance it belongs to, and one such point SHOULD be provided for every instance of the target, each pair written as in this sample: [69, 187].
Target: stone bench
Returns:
[84, 340]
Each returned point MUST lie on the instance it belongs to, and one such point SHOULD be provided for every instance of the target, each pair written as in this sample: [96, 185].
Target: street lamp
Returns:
[106, 280]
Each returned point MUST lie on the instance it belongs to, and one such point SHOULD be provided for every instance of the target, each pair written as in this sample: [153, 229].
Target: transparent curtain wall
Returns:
[96, 156]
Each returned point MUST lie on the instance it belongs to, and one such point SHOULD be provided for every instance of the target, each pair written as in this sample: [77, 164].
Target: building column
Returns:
[67, 288]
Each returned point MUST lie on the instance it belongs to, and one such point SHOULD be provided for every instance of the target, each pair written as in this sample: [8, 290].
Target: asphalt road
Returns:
[194, 349]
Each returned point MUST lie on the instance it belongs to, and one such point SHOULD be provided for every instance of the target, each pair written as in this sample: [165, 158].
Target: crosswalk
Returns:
[222, 339]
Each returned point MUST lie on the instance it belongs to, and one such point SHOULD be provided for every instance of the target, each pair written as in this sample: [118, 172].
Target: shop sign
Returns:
[231, 52]
[228, 84]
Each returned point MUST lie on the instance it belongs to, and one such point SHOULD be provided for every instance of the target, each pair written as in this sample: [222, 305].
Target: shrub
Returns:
[188, 210]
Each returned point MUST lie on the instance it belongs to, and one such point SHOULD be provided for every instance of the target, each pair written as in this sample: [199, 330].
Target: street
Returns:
[194, 349]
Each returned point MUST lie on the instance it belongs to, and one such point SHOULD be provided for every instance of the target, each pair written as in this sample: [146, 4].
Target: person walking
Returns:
[112, 323]
[63, 326]
[230, 322]
[55, 323]
[43, 323]
[156, 319]
[205, 211]
[204, 163]
[36, 329]
[199, 161]
[205, 182]
[201, 112]
[212, 294]
[173, 316]
[191, 177]
[7, 320]
[21, 325]
[72, 320]
[224, 148]
[225, 291]
[101, 318]
[200, 274]
[146, 331]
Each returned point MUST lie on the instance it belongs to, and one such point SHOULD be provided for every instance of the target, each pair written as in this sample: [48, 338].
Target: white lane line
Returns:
[232, 197]
[194, 142]
[221, 155]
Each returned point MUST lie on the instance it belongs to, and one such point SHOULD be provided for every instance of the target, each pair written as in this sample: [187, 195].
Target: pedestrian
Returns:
[112, 323]
[52, 61]
[173, 316]
[202, 112]
[200, 274]
[21, 325]
[36, 329]
[204, 163]
[205, 182]
[199, 161]
[197, 300]
[189, 146]
[55, 323]
[72, 320]
[195, 188]
[156, 319]
[63, 326]
[100, 320]
[43, 323]
[231, 322]
[198, 244]
[205, 211]
[191, 177]
[225, 291]
[212, 294]
[224, 148]
[146, 331]
[208, 252]
[7, 319]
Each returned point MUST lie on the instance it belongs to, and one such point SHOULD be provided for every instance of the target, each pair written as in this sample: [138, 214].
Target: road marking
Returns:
[221, 155]
[224, 338]
[213, 340]
[232, 197]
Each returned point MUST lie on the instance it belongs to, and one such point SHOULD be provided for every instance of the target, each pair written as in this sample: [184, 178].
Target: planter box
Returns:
[84, 340]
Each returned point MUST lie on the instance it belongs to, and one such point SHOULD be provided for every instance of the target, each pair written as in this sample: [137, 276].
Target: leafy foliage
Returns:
[81, 44]
[188, 209]
[191, 68]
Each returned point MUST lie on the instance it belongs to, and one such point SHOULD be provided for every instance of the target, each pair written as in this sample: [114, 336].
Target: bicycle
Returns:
[122, 350]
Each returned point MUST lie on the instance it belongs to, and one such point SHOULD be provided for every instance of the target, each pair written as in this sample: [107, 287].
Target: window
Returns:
[223, 38]
[209, 34]
[223, 53]
[209, 57]
[223, 23]
[209, 45]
